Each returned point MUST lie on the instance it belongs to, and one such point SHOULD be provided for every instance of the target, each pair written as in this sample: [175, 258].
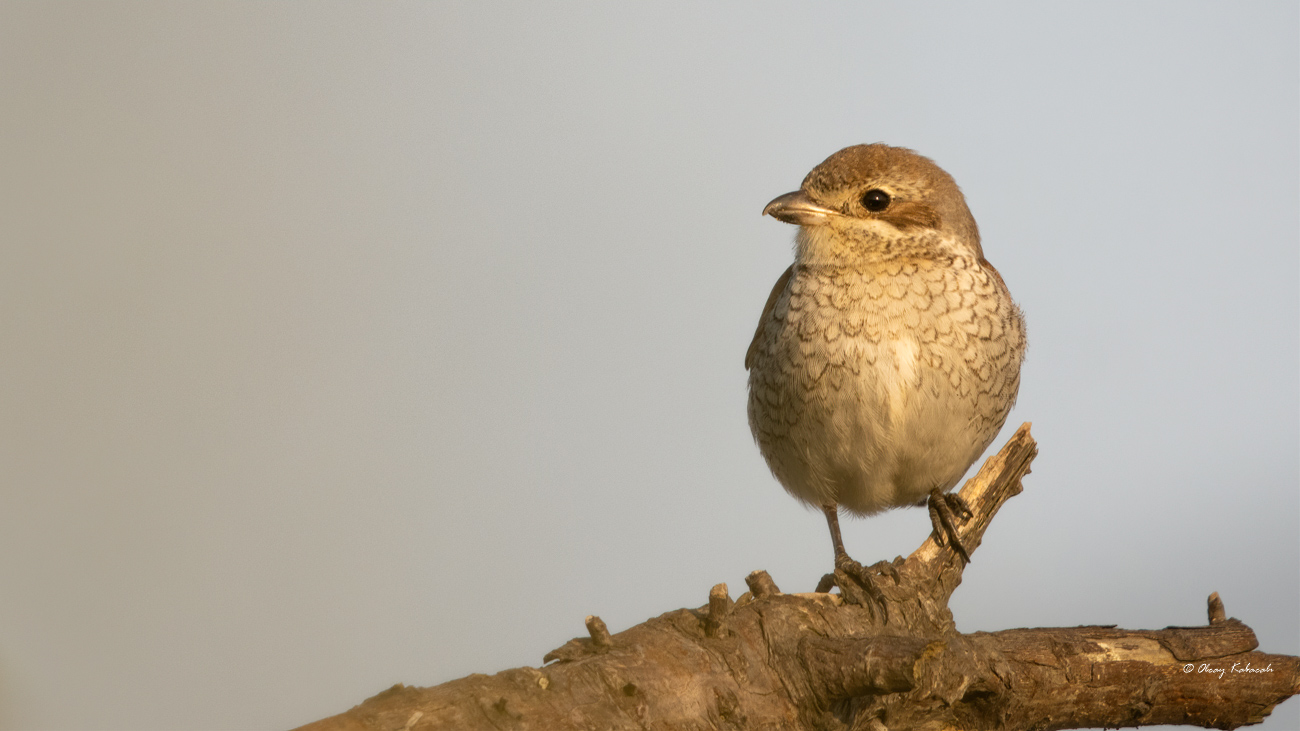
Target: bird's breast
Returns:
[861, 374]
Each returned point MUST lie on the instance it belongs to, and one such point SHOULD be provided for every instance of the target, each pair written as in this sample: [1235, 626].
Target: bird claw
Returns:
[946, 511]
[857, 584]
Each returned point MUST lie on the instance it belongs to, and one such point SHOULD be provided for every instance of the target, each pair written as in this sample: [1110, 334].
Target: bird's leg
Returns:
[945, 507]
[833, 521]
[832, 512]
[857, 584]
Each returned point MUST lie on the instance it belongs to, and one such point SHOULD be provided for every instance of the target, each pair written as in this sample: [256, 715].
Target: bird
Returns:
[888, 355]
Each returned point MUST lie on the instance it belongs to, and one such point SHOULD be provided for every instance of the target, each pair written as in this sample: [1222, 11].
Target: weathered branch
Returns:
[814, 661]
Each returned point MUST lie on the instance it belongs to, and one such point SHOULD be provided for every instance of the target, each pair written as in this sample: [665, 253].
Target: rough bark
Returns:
[825, 661]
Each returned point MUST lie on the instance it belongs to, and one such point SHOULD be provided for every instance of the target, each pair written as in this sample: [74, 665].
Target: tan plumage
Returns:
[888, 356]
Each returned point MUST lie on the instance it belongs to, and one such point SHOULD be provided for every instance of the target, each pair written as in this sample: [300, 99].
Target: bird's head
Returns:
[873, 202]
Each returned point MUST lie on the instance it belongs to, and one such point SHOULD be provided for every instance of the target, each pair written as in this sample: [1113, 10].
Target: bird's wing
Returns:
[767, 312]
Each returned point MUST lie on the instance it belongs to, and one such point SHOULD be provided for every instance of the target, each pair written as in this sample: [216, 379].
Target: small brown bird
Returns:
[888, 355]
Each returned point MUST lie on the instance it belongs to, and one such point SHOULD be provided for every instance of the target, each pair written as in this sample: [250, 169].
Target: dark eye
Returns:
[875, 200]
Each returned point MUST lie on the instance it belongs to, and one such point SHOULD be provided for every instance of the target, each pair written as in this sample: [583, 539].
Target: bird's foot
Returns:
[947, 511]
[858, 584]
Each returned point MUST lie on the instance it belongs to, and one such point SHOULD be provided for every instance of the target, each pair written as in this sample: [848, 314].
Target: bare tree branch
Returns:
[816, 661]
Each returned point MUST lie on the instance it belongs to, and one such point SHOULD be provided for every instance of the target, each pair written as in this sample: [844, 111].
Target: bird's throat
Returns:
[860, 244]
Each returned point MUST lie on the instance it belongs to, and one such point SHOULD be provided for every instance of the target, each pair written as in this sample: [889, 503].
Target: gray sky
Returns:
[347, 345]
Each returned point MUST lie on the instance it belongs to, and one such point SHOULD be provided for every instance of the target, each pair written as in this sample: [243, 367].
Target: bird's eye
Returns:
[875, 200]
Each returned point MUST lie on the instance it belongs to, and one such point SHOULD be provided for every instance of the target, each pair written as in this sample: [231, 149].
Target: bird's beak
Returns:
[797, 208]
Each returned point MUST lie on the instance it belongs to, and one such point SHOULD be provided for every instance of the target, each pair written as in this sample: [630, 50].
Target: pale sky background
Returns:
[348, 345]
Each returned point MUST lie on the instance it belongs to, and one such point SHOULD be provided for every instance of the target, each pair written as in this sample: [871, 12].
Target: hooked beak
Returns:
[797, 208]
